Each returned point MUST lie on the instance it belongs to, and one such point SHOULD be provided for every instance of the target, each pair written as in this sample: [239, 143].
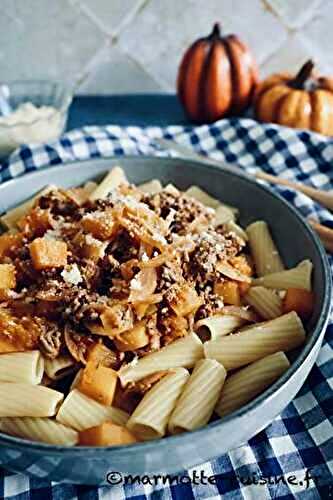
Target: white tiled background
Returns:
[117, 46]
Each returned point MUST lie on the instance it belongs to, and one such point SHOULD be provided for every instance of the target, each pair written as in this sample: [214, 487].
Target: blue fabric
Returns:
[301, 437]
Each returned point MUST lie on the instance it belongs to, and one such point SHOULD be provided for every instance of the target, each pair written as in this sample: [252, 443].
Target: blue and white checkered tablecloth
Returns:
[301, 438]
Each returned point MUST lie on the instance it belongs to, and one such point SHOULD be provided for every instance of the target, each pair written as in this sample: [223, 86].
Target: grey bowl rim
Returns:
[234, 171]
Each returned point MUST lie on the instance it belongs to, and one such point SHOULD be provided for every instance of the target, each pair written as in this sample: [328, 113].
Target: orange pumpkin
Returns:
[217, 76]
[303, 101]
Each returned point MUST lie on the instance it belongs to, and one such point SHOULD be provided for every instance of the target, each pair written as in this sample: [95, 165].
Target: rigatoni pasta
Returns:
[197, 401]
[44, 430]
[80, 412]
[217, 326]
[266, 302]
[297, 277]
[183, 352]
[26, 367]
[200, 195]
[244, 385]
[115, 177]
[27, 400]
[145, 306]
[150, 418]
[151, 187]
[12, 216]
[281, 334]
[265, 254]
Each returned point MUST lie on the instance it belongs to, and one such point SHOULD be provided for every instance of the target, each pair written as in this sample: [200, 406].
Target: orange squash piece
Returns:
[9, 242]
[101, 225]
[186, 301]
[300, 301]
[229, 291]
[36, 222]
[46, 254]
[7, 276]
[18, 334]
[106, 434]
[98, 382]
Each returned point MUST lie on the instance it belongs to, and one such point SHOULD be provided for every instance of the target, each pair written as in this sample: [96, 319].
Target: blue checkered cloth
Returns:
[302, 436]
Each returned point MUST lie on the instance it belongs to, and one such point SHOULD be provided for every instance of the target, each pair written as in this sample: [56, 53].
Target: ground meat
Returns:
[184, 210]
[209, 248]
[213, 303]
[169, 274]
[79, 344]
[154, 337]
[123, 247]
[84, 307]
[235, 243]
[60, 204]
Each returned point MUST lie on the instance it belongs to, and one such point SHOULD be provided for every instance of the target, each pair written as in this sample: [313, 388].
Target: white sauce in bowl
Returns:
[29, 123]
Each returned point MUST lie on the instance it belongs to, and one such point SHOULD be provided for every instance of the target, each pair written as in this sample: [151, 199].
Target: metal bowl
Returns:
[296, 241]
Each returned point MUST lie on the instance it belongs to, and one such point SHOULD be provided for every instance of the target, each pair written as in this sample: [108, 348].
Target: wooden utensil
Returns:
[325, 234]
[325, 198]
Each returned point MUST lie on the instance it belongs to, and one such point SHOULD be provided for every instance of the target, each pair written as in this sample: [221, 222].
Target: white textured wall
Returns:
[117, 46]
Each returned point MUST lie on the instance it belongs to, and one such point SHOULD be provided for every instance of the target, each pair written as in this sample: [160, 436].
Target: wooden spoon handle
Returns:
[325, 234]
[323, 197]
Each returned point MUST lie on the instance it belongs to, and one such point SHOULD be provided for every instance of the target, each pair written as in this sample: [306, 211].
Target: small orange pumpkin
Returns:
[303, 101]
[217, 76]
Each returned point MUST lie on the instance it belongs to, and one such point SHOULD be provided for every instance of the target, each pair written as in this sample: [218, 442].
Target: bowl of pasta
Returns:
[154, 314]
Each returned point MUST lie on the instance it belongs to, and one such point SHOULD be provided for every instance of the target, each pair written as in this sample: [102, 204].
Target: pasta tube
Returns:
[113, 179]
[27, 367]
[218, 325]
[235, 228]
[10, 218]
[183, 352]
[204, 198]
[223, 215]
[265, 254]
[151, 187]
[44, 430]
[244, 385]
[90, 186]
[81, 412]
[195, 405]
[59, 367]
[281, 334]
[266, 302]
[150, 418]
[25, 400]
[297, 277]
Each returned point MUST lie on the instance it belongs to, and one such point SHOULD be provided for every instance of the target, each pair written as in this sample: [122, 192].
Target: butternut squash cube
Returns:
[98, 382]
[100, 224]
[106, 434]
[9, 242]
[299, 300]
[186, 301]
[36, 222]
[229, 291]
[46, 254]
[7, 277]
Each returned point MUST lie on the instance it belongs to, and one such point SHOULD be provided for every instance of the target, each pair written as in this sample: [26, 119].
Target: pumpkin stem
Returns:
[303, 74]
[216, 32]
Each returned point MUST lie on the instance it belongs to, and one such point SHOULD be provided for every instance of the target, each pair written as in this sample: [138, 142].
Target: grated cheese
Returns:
[71, 274]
